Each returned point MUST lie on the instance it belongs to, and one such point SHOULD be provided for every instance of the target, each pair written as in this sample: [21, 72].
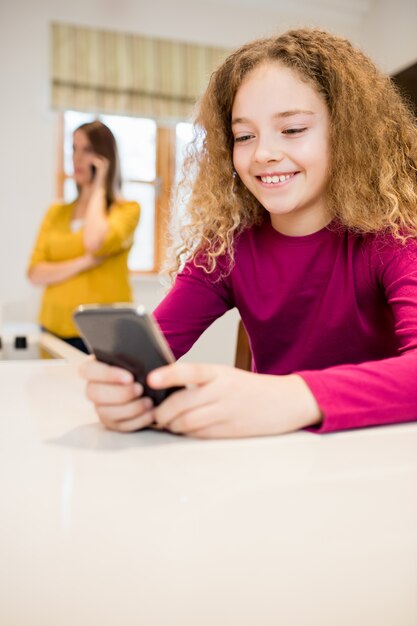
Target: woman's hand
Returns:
[117, 397]
[55, 272]
[96, 224]
[101, 168]
[92, 261]
[226, 402]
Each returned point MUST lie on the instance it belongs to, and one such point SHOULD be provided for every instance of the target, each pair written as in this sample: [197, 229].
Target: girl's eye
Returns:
[243, 138]
[293, 131]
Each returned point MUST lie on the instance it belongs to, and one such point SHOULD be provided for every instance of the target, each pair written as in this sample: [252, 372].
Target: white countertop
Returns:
[150, 529]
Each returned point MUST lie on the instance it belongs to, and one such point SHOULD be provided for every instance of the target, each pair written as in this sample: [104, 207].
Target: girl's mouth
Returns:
[276, 179]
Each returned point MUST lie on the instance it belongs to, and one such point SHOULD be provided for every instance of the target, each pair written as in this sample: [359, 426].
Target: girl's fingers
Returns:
[214, 431]
[93, 370]
[105, 393]
[128, 411]
[180, 403]
[200, 419]
[182, 374]
[208, 423]
[127, 425]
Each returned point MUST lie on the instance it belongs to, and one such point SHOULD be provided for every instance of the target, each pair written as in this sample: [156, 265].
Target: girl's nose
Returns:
[267, 151]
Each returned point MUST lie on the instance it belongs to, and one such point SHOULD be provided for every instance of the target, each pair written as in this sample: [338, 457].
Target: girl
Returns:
[303, 215]
[81, 251]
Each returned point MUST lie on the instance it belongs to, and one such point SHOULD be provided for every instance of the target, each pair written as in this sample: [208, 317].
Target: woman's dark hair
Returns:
[103, 143]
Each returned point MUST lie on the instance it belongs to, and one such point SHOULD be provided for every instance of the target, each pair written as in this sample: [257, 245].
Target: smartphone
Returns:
[126, 336]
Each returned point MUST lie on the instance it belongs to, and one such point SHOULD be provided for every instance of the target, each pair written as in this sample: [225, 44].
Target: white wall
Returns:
[389, 34]
[27, 125]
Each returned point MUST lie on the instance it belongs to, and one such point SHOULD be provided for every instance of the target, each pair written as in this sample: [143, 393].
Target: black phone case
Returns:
[127, 339]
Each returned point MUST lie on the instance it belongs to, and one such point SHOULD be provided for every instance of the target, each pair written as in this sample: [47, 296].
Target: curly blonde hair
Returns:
[372, 183]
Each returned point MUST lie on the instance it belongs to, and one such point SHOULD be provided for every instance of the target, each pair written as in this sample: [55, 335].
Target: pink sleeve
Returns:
[195, 301]
[377, 392]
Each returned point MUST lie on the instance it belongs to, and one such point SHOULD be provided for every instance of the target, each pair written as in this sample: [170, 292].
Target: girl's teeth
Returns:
[275, 179]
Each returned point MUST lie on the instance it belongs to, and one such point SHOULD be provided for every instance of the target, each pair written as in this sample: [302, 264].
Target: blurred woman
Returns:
[80, 254]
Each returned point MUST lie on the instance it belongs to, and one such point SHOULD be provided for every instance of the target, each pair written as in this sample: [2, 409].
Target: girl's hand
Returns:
[101, 167]
[117, 397]
[226, 402]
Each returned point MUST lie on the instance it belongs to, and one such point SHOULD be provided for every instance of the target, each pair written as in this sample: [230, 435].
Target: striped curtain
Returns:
[109, 72]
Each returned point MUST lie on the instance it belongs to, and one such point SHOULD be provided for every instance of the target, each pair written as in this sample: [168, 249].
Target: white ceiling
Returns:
[355, 9]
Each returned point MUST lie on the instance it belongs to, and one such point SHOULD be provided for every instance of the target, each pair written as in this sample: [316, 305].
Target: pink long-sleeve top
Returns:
[337, 308]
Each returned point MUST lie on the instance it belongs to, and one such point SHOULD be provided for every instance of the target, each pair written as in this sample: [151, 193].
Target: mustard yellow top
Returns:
[106, 283]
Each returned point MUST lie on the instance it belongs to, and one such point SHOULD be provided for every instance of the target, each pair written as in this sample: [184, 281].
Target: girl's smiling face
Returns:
[281, 149]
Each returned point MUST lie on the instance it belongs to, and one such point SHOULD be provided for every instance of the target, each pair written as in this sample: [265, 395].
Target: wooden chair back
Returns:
[243, 355]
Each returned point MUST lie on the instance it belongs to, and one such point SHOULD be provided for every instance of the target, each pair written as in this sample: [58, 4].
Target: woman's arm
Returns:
[122, 221]
[58, 254]
[46, 273]
[96, 224]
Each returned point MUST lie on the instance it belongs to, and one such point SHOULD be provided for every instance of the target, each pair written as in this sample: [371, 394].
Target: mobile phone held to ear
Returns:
[126, 336]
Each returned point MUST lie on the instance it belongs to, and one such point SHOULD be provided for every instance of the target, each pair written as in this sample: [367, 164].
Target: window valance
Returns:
[114, 72]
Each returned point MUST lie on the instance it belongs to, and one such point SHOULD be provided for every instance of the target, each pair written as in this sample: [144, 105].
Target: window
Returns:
[150, 158]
